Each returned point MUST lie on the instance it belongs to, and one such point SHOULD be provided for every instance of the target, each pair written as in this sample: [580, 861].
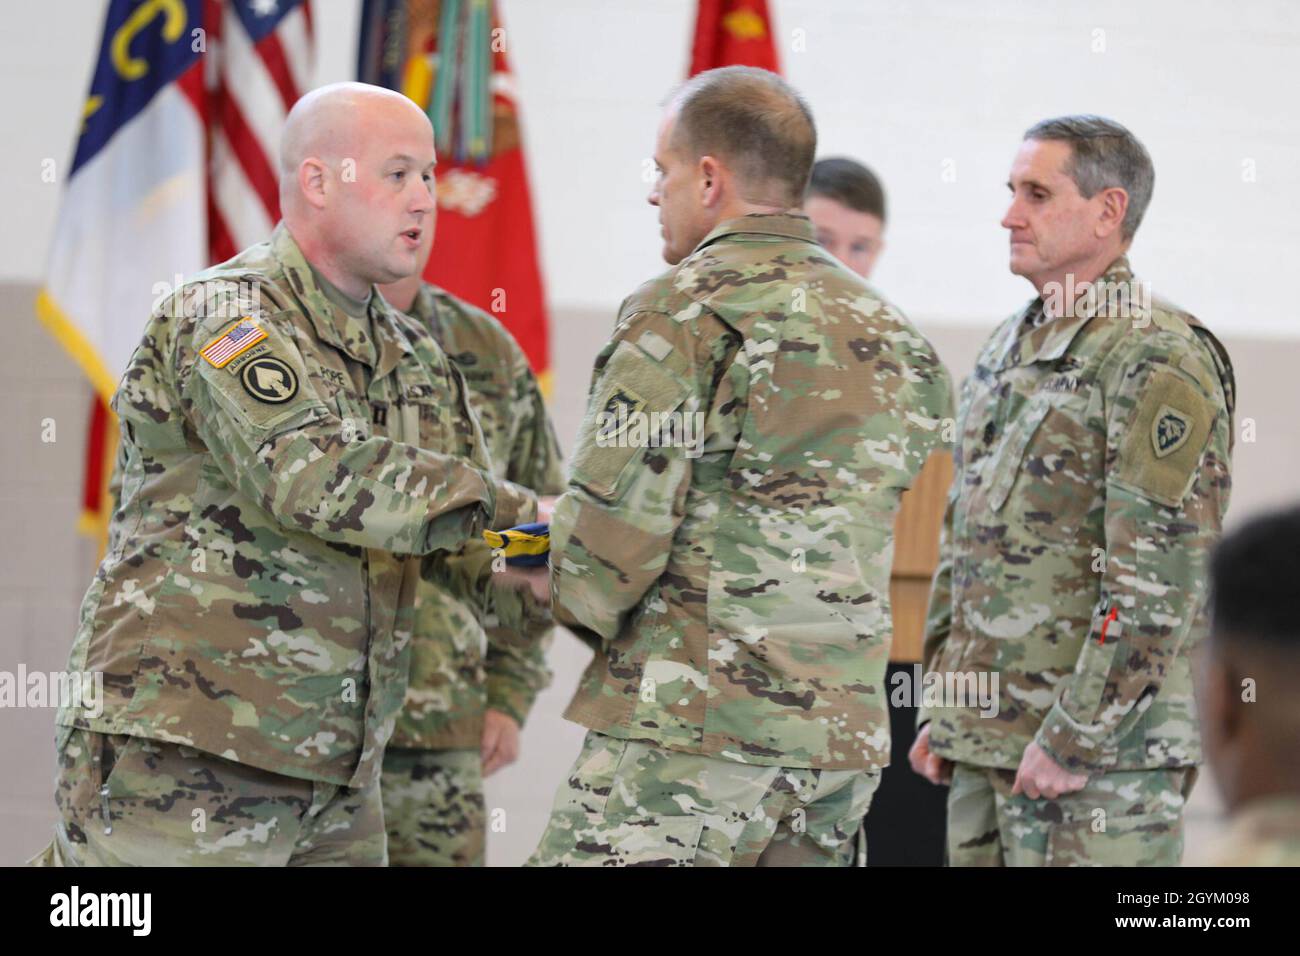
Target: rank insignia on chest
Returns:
[236, 340]
[1170, 430]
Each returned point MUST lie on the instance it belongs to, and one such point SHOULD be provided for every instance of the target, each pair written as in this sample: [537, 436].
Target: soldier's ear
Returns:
[312, 180]
[710, 181]
[1114, 206]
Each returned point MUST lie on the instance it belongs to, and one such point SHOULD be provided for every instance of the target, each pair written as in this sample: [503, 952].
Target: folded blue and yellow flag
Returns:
[525, 546]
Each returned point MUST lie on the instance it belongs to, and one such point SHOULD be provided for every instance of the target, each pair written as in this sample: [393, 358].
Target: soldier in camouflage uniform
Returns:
[730, 568]
[472, 681]
[1250, 714]
[1091, 479]
[291, 451]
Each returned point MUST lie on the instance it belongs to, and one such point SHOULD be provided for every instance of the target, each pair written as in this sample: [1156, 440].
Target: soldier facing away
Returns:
[292, 447]
[473, 676]
[1250, 714]
[725, 542]
[1091, 477]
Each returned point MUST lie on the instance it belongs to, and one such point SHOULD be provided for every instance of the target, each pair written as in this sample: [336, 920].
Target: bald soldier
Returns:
[473, 678]
[725, 542]
[1091, 477]
[1250, 714]
[294, 450]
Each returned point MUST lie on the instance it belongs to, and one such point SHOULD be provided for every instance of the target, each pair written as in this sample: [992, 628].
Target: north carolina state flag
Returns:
[733, 33]
[173, 169]
[449, 57]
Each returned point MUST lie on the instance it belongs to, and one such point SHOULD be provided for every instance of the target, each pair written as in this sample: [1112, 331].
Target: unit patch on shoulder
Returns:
[1170, 430]
[621, 407]
[1165, 435]
[236, 340]
[269, 380]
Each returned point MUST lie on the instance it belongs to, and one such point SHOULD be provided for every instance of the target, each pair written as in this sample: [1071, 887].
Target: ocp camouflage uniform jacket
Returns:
[463, 660]
[736, 592]
[1091, 479]
[256, 600]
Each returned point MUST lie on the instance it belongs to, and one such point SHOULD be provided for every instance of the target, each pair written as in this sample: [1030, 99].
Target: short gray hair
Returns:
[1104, 155]
[753, 119]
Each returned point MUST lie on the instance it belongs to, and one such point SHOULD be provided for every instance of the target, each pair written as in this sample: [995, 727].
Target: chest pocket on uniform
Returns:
[626, 417]
[1049, 465]
[1011, 452]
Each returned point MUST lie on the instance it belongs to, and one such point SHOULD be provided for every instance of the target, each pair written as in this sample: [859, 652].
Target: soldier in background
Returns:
[729, 563]
[292, 447]
[1091, 480]
[846, 204]
[1250, 714]
[473, 679]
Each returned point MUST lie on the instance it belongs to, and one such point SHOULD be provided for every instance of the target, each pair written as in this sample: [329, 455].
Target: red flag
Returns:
[733, 33]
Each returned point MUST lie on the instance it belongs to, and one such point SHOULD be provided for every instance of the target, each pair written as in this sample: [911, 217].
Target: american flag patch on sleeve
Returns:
[240, 337]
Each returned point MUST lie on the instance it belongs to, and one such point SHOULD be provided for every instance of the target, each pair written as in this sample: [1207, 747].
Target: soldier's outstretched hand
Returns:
[536, 580]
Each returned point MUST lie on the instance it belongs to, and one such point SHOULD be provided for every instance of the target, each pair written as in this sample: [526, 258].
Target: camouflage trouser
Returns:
[128, 801]
[631, 803]
[1123, 818]
[433, 807]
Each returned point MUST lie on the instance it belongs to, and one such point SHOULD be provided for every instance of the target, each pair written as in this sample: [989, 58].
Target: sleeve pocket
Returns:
[634, 393]
[257, 419]
[1165, 440]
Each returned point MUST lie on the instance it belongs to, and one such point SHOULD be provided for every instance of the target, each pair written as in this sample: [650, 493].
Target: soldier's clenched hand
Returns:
[500, 745]
[929, 765]
[1041, 776]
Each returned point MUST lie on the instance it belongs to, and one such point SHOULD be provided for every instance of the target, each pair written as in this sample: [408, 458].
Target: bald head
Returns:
[356, 183]
[332, 122]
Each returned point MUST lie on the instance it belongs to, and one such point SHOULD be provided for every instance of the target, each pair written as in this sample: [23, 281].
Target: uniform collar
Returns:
[425, 310]
[381, 350]
[1051, 340]
[785, 225]
[393, 342]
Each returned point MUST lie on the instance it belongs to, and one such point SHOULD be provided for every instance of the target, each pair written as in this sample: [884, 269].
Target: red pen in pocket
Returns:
[1114, 613]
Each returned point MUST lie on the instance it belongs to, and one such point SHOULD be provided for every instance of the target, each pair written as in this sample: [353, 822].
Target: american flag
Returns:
[174, 169]
[263, 64]
[244, 335]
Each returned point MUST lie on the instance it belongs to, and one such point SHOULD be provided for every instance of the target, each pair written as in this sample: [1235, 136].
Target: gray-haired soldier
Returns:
[1091, 479]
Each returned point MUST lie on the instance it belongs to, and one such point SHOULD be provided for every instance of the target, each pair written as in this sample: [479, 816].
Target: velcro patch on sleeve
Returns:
[636, 395]
[235, 341]
[1165, 438]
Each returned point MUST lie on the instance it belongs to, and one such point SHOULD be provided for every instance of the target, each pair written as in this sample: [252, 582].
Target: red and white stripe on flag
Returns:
[174, 170]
